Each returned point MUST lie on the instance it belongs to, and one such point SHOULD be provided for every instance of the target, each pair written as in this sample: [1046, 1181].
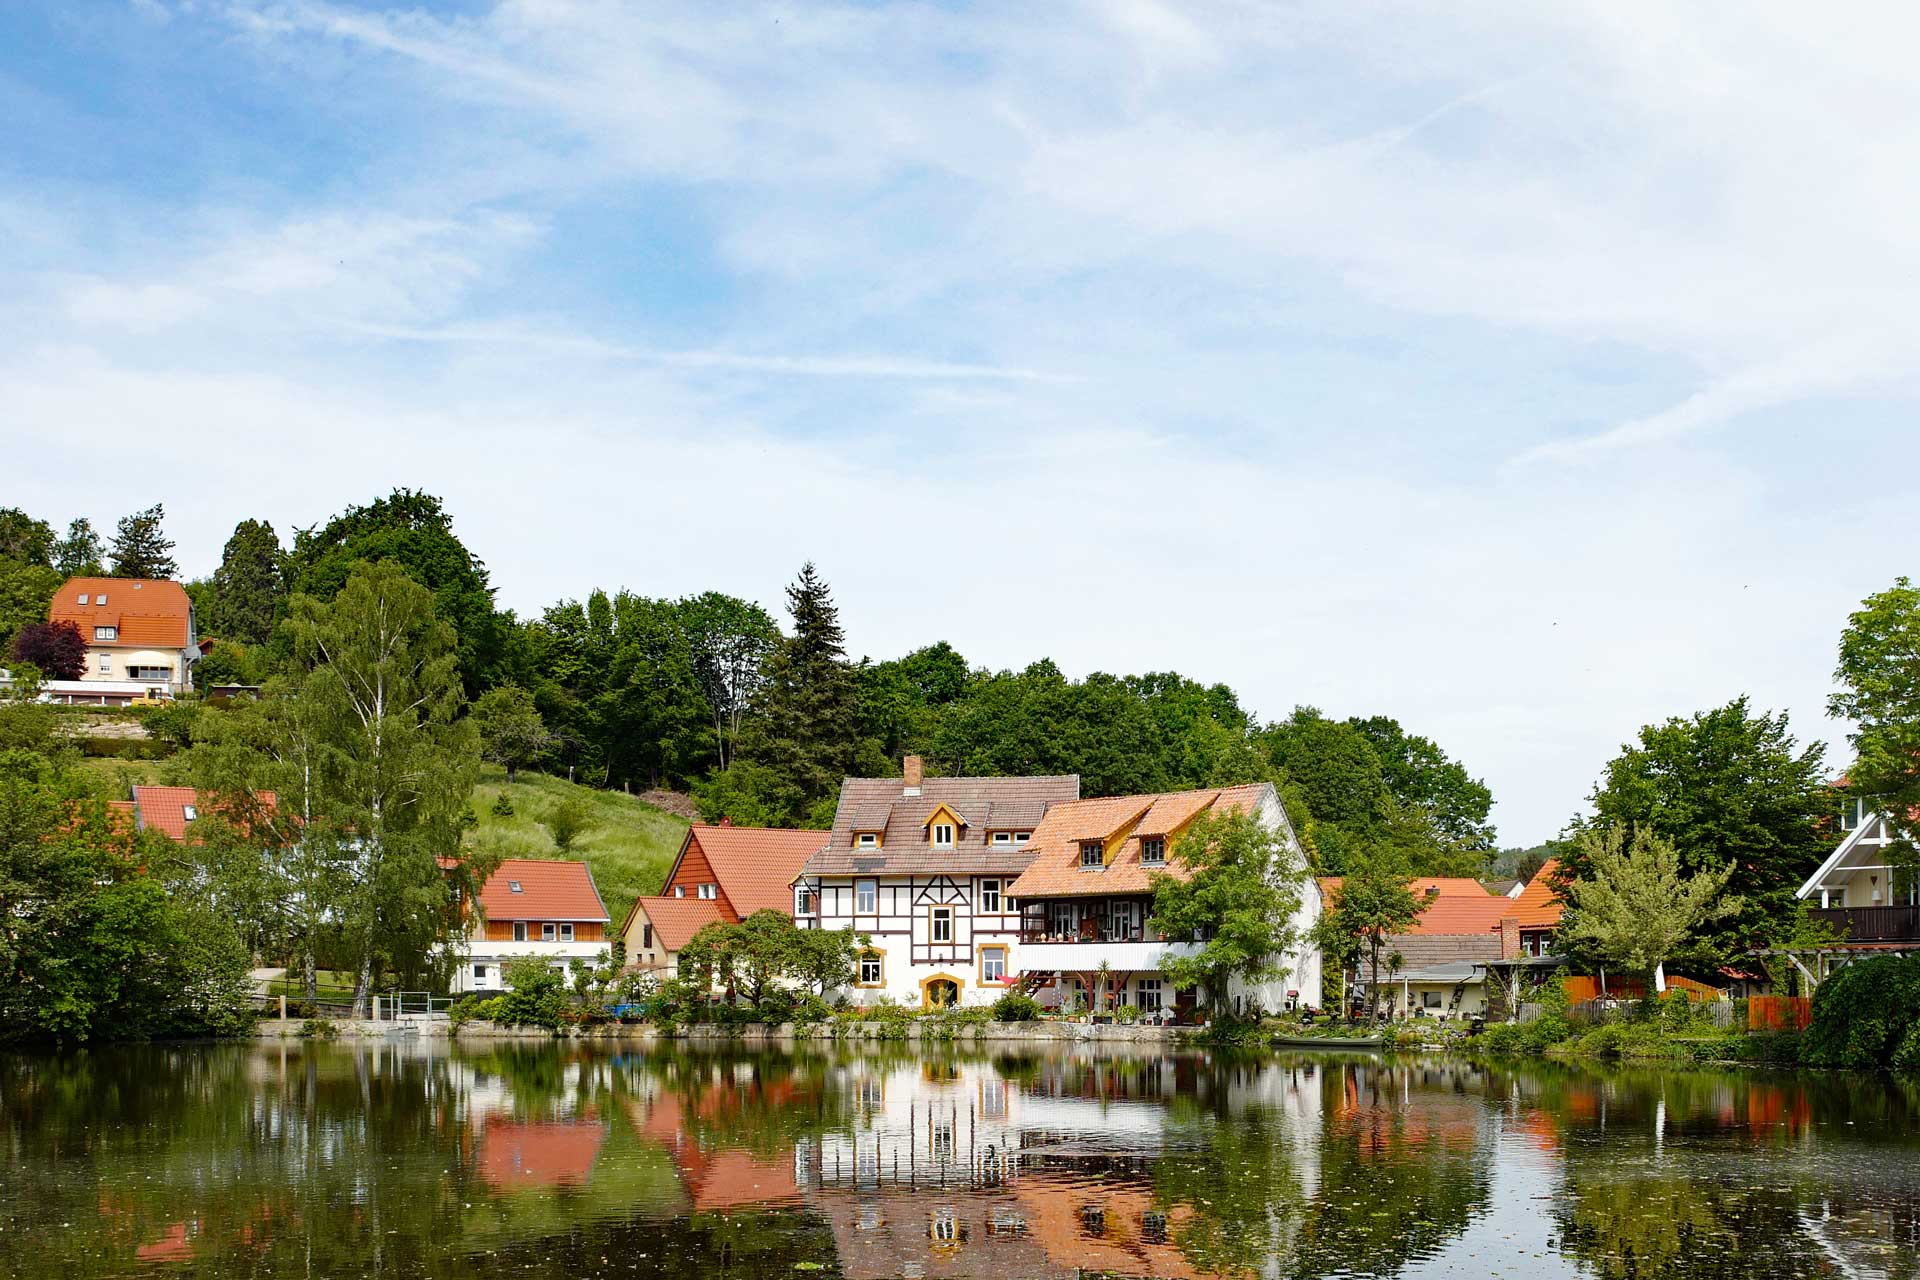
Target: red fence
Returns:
[1779, 1013]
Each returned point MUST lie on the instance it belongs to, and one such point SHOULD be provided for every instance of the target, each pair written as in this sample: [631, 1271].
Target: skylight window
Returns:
[513, 886]
[83, 597]
[188, 812]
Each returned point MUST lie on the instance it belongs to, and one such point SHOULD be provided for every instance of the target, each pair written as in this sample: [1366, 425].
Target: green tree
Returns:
[26, 591]
[141, 548]
[1729, 788]
[378, 668]
[567, 821]
[512, 734]
[729, 641]
[81, 553]
[808, 728]
[249, 585]
[827, 960]
[1879, 674]
[1636, 906]
[413, 530]
[1421, 775]
[1241, 893]
[1374, 902]
[24, 538]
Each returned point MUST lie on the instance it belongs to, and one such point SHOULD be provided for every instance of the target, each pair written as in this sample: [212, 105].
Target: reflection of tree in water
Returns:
[1311, 1170]
[1698, 1176]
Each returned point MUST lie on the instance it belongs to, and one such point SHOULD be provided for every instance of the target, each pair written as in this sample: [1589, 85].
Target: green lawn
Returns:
[630, 845]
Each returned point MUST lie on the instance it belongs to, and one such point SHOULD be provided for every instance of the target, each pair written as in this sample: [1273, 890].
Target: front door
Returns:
[940, 993]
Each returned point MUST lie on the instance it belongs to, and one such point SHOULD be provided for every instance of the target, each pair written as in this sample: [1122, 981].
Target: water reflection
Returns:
[410, 1159]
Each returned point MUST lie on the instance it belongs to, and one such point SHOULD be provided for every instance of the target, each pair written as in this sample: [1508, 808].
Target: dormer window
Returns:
[1021, 837]
[1093, 854]
[106, 633]
[943, 835]
[1003, 837]
[867, 840]
[1153, 851]
[679, 891]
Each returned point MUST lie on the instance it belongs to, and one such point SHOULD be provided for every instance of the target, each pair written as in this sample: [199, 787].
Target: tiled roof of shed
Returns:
[1456, 905]
[1055, 871]
[905, 849]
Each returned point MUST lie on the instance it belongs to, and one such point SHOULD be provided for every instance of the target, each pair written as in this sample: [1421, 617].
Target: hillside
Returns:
[630, 844]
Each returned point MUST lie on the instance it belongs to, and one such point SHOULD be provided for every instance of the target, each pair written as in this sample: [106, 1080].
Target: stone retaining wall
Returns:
[440, 1028]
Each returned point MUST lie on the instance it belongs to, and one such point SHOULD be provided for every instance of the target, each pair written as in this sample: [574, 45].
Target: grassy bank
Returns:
[629, 844]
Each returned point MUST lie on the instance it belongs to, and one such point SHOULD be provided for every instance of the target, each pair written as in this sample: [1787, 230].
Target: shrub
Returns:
[1015, 1007]
[1867, 1016]
[567, 821]
[318, 1029]
[1127, 1013]
[537, 995]
[502, 806]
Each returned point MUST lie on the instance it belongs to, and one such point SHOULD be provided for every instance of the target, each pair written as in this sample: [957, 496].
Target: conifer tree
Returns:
[141, 548]
[248, 585]
[808, 732]
[80, 553]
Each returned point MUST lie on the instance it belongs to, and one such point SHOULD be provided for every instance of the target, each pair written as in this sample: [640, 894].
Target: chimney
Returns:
[726, 822]
[1510, 938]
[912, 770]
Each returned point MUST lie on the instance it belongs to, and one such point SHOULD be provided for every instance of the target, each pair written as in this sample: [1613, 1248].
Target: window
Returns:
[1093, 853]
[710, 891]
[519, 930]
[1153, 1227]
[1147, 995]
[479, 973]
[83, 597]
[943, 835]
[866, 897]
[941, 919]
[872, 969]
[546, 932]
[945, 1228]
[101, 598]
[993, 1099]
[679, 891]
[868, 840]
[942, 1140]
[566, 932]
[1430, 999]
[806, 902]
[993, 964]
[106, 664]
[1153, 852]
[646, 937]
[1003, 837]
[106, 633]
[513, 886]
[1021, 837]
[188, 812]
[990, 897]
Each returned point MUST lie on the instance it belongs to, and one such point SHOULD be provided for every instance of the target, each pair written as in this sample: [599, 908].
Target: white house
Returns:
[1863, 888]
[141, 639]
[532, 907]
[923, 865]
[1087, 898]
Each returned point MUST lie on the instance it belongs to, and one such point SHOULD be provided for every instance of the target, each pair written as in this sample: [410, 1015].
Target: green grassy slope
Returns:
[630, 845]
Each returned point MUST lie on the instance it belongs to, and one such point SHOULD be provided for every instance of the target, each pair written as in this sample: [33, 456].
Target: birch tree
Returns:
[377, 673]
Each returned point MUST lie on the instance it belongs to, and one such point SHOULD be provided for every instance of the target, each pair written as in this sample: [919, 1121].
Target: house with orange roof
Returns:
[1538, 909]
[532, 907]
[1086, 901]
[1444, 957]
[922, 866]
[141, 637]
[722, 874]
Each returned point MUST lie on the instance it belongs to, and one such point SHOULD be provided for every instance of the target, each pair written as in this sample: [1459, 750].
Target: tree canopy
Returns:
[141, 548]
[1238, 902]
[1879, 675]
[1635, 907]
[249, 585]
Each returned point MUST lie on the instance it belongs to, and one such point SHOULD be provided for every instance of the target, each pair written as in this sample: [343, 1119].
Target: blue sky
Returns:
[1525, 372]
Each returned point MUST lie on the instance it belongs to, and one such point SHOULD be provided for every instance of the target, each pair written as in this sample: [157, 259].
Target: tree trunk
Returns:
[362, 983]
[310, 977]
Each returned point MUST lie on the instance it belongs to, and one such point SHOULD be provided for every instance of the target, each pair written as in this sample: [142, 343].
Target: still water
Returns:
[412, 1159]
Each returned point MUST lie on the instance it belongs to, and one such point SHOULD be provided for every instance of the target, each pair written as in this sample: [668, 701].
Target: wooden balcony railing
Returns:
[1871, 924]
[1088, 931]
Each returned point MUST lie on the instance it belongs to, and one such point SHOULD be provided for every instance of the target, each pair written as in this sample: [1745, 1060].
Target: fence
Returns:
[385, 1006]
[1724, 1014]
[1779, 1013]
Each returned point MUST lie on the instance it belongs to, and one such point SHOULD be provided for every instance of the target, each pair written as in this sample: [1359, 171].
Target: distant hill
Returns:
[630, 845]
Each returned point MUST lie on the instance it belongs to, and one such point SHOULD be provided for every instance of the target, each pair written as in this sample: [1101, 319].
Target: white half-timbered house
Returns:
[922, 866]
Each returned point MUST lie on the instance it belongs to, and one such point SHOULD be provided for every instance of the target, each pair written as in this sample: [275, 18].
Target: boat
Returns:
[1328, 1042]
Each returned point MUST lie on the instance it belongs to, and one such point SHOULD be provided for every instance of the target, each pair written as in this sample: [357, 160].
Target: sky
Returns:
[1525, 372]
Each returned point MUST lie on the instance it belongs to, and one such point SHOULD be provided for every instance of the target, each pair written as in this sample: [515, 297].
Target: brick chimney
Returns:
[1510, 938]
[912, 770]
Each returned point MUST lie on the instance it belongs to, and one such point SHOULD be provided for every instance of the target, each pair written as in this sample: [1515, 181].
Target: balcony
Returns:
[1871, 924]
[1133, 955]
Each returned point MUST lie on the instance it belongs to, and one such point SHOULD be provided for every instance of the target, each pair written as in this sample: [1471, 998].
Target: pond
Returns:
[408, 1159]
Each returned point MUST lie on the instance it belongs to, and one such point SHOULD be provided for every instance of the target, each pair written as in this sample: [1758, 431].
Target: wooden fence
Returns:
[1779, 1013]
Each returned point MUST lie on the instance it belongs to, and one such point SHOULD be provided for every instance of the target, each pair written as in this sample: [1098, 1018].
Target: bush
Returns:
[502, 806]
[1015, 1007]
[1127, 1014]
[1867, 1016]
[537, 994]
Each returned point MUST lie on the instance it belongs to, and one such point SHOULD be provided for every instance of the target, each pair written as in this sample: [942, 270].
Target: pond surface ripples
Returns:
[419, 1159]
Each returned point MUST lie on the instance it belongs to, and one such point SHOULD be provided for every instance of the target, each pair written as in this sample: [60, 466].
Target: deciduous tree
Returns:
[1879, 671]
[512, 734]
[1636, 906]
[1238, 902]
[56, 648]
[1375, 901]
[80, 553]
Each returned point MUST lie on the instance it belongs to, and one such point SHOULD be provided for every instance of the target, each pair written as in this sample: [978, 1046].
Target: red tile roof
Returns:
[549, 890]
[149, 612]
[1538, 906]
[1120, 821]
[1460, 905]
[164, 809]
[676, 920]
[755, 866]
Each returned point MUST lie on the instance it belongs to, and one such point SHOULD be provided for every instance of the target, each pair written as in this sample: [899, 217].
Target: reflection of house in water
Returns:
[715, 1178]
[515, 1156]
